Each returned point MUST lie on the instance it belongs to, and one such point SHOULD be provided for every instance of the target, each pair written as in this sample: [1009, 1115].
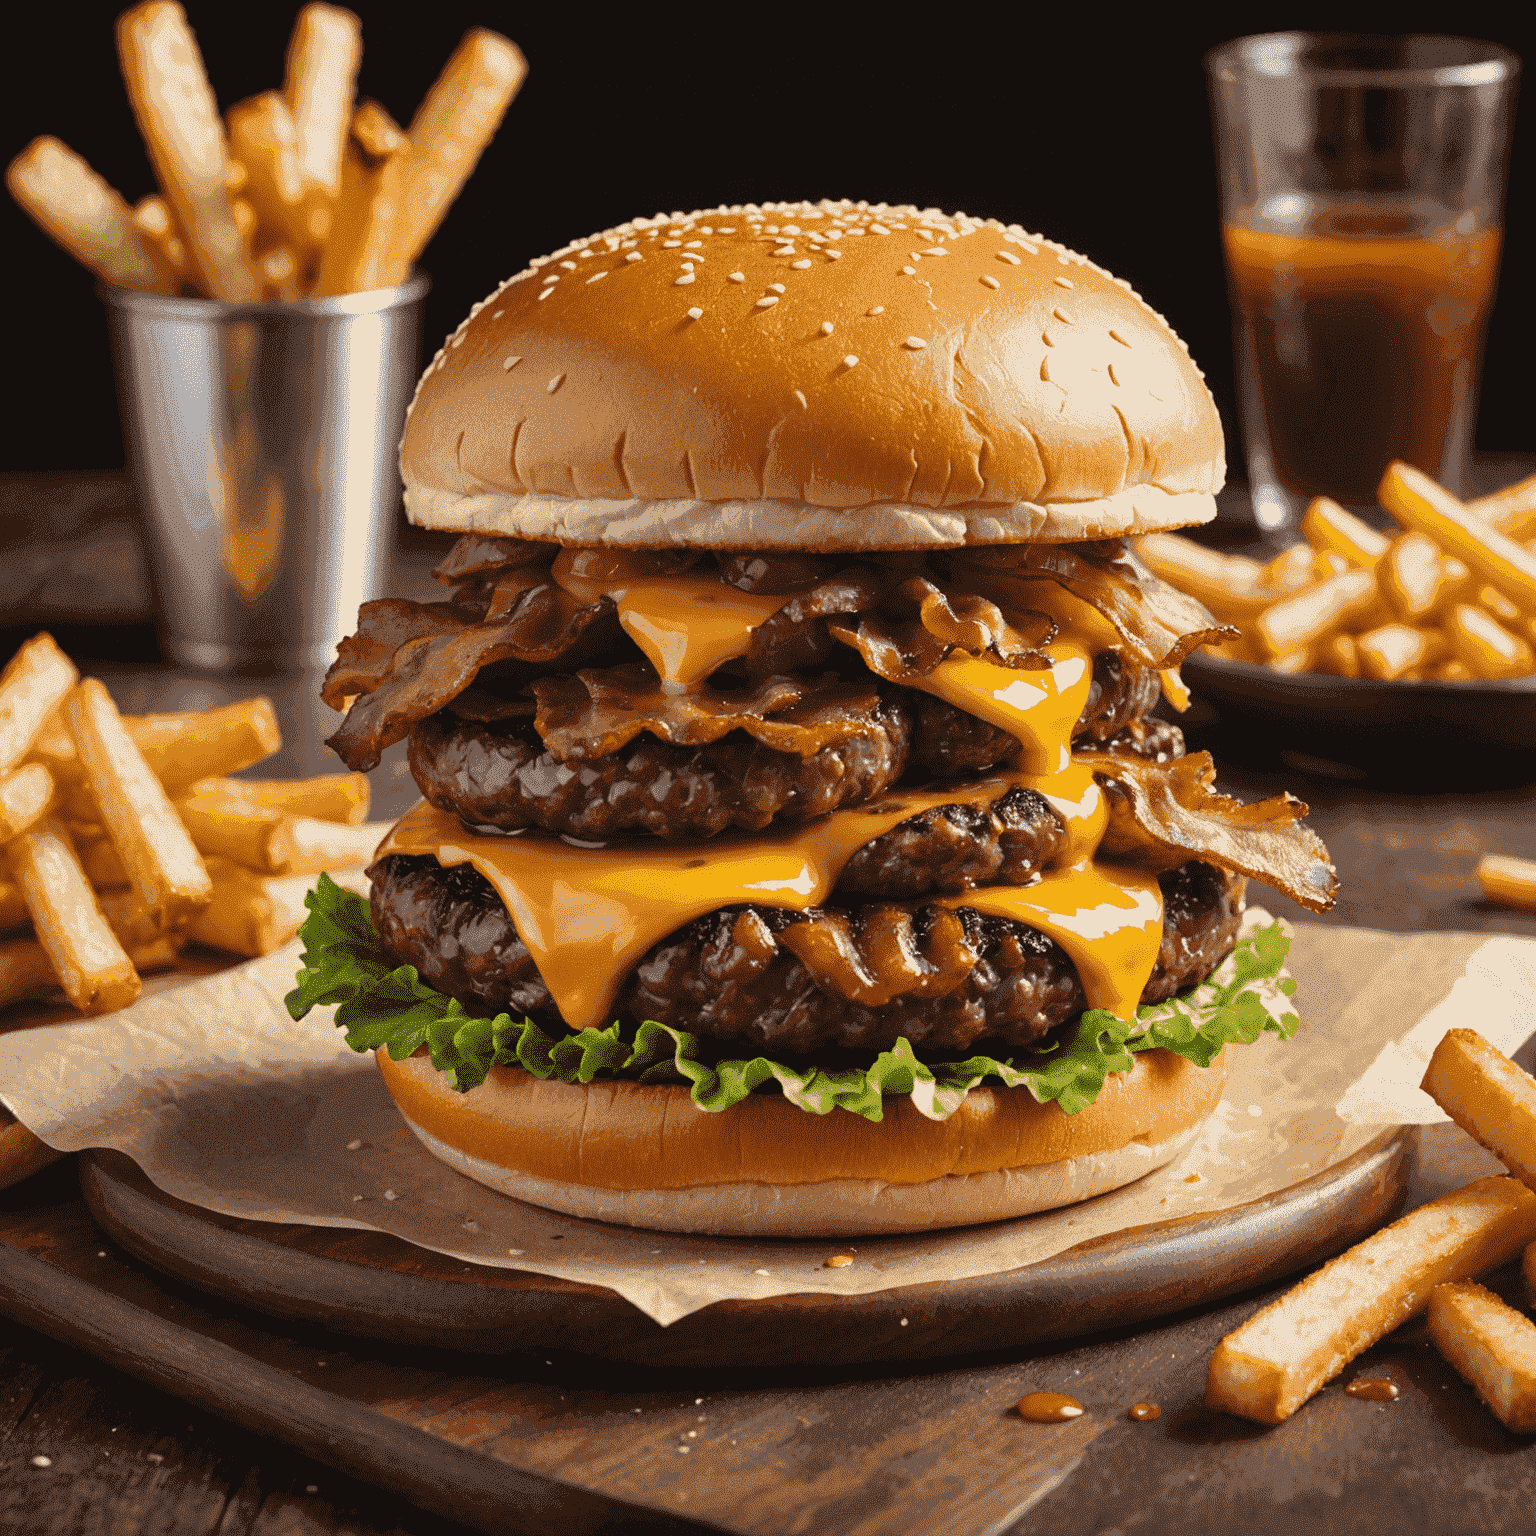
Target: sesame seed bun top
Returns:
[817, 376]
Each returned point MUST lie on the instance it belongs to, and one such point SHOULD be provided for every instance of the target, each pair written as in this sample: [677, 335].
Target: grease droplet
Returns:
[1144, 1413]
[1375, 1391]
[1049, 1407]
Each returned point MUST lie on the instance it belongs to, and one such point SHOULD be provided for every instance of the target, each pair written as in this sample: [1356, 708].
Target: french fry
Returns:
[323, 55]
[176, 113]
[1512, 511]
[452, 127]
[25, 970]
[329, 845]
[1267, 1368]
[153, 219]
[91, 965]
[1348, 601]
[22, 1154]
[1226, 584]
[79, 211]
[1290, 570]
[13, 910]
[1328, 526]
[182, 748]
[1418, 581]
[1483, 644]
[253, 914]
[328, 797]
[1395, 650]
[255, 836]
[1292, 662]
[1488, 1096]
[1421, 505]
[1492, 1346]
[1337, 656]
[136, 929]
[162, 864]
[26, 796]
[1492, 601]
[33, 685]
[98, 858]
[1508, 880]
[279, 273]
[356, 256]
[1453, 670]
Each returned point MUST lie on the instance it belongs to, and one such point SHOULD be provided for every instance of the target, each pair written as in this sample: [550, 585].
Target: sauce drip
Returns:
[1378, 1390]
[587, 915]
[1039, 707]
[686, 625]
[1049, 1407]
[1144, 1413]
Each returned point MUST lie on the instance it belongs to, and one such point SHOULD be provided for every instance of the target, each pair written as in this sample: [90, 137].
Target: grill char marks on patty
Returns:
[500, 775]
[732, 977]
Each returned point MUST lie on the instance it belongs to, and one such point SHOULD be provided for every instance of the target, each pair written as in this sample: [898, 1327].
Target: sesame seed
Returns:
[804, 403]
[1061, 315]
[554, 277]
[730, 231]
[1112, 378]
[570, 266]
[826, 327]
[354, 1146]
[1009, 257]
[498, 314]
[879, 309]
[42, 1461]
[833, 255]
[695, 314]
[683, 281]
[554, 383]
[737, 277]
[693, 245]
[634, 256]
[909, 271]
[511, 362]
[458, 341]
[1116, 336]
[915, 255]
[850, 361]
[991, 281]
[545, 294]
[597, 277]
[670, 245]
[775, 287]
[916, 343]
[879, 229]
[1063, 282]
[767, 302]
[802, 263]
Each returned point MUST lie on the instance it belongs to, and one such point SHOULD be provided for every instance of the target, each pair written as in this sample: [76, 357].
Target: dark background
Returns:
[1087, 123]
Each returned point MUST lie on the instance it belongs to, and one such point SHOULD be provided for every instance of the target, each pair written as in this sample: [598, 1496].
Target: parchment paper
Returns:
[226, 1103]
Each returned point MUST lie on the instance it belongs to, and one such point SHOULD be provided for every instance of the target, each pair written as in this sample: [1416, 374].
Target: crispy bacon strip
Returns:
[1159, 624]
[596, 713]
[474, 554]
[1163, 814]
[428, 672]
[363, 660]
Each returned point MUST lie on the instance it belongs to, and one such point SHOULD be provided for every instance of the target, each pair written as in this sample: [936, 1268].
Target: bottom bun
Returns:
[646, 1156]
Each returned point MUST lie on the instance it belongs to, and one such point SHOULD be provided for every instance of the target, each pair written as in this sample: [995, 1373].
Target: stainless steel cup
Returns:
[262, 442]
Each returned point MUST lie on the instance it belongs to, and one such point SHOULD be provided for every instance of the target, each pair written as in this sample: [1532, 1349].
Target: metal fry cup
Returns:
[262, 443]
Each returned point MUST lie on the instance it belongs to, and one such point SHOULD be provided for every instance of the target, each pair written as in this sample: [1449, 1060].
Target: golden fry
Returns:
[1290, 570]
[1329, 527]
[1419, 504]
[182, 748]
[1485, 646]
[1492, 1346]
[90, 963]
[1418, 581]
[33, 685]
[1337, 656]
[162, 864]
[323, 56]
[82, 213]
[1291, 662]
[154, 221]
[329, 845]
[1347, 601]
[1494, 602]
[1395, 650]
[356, 256]
[1508, 880]
[1266, 1369]
[1453, 670]
[26, 796]
[1489, 1097]
[1512, 511]
[263, 135]
[255, 836]
[22, 1154]
[455, 122]
[98, 858]
[327, 797]
[179, 120]
[253, 914]
[1226, 584]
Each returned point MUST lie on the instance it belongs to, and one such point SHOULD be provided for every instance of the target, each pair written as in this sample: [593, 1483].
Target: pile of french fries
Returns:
[1451, 597]
[1427, 1261]
[296, 193]
[124, 838]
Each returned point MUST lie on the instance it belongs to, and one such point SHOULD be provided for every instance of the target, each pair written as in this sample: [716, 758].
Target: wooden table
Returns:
[893, 1450]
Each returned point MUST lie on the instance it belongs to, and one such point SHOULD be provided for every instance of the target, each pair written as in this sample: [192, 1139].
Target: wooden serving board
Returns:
[372, 1285]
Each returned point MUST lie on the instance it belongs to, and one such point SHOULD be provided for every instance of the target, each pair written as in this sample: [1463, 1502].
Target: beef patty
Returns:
[500, 775]
[736, 976]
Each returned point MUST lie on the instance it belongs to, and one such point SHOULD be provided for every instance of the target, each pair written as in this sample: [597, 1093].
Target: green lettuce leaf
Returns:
[381, 1005]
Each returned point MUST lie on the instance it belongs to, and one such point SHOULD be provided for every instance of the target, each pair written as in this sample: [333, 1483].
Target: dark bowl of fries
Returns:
[1409, 654]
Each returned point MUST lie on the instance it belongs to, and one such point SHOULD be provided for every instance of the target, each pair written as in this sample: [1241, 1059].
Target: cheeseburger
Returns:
[799, 852]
